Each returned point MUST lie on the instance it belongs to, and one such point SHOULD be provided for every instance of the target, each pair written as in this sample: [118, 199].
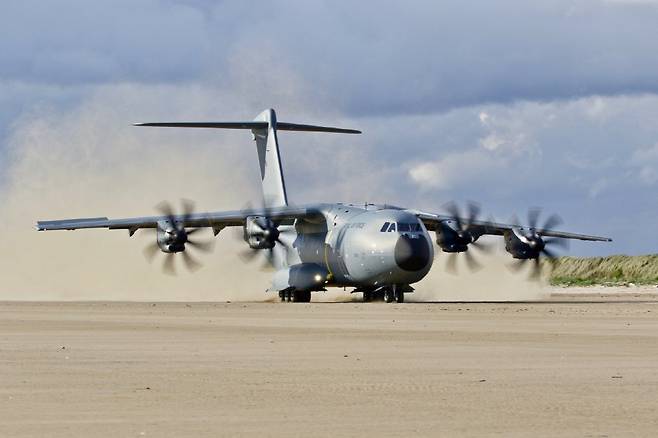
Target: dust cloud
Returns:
[92, 162]
[494, 281]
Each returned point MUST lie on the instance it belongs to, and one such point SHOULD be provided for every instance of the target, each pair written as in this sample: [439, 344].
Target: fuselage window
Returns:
[385, 227]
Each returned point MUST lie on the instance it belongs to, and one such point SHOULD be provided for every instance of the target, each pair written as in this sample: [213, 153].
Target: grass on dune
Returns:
[620, 269]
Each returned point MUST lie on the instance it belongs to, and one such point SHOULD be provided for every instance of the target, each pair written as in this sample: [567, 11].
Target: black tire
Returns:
[288, 296]
[399, 296]
[301, 296]
[388, 295]
[282, 296]
[367, 296]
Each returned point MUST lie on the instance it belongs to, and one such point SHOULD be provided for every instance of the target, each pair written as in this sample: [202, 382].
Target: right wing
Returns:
[216, 220]
[482, 228]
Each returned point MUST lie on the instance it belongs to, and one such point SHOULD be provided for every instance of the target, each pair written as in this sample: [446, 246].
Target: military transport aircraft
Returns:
[379, 250]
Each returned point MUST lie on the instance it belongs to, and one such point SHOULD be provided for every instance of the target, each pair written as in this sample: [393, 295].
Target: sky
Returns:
[512, 104]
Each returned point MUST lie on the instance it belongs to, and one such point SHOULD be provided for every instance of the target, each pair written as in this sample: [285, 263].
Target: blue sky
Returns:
[513, 104]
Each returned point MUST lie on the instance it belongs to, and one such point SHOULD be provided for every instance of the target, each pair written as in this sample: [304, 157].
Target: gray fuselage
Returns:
[367, 246]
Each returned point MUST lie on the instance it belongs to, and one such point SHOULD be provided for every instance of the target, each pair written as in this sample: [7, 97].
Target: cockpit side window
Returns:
[404, 227]
[391, 227]
[385, 227]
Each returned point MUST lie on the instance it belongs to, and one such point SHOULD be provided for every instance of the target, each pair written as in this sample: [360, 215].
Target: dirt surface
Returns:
[575, 365]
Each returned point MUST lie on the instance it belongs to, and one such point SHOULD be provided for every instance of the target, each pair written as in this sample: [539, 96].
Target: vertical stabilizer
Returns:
[271, 172]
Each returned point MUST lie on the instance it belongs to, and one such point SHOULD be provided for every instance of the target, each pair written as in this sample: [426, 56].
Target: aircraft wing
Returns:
[432, 221]
[215, 220]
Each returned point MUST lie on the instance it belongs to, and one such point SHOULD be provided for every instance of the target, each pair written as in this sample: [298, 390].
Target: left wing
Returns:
[215, 220]
[481, 228]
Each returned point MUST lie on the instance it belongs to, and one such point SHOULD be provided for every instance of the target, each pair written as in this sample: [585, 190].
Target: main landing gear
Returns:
[297, 296]
[387, 294]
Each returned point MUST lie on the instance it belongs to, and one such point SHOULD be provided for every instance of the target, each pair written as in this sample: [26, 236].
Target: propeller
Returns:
[540, 246]
[264, 228]
[179, 239]
[467, 234]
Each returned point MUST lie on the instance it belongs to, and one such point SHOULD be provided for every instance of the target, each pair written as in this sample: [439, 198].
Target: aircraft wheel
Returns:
[282, 296]
[301, 296]
[288, 296]
[367, 296]
[388, 295]
[399, 297]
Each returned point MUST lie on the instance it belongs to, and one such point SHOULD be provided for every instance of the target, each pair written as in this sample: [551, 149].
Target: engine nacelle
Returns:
[523, 246]
[451, 239]
[260, 232]
[170, 239]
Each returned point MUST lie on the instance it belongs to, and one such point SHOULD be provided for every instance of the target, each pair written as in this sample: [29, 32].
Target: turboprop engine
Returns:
[524, 246]
[526, 243]
[454, 235]
[260, 232]
[171, 239]
[451, 239]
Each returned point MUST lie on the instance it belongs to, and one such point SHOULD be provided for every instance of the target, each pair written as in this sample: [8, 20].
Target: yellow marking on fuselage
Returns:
[326, 254]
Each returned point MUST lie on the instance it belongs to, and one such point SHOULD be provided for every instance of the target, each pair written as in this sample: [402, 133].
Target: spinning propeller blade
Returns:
[270, 232]
[465, 228]
[183, 237]
[543, 244]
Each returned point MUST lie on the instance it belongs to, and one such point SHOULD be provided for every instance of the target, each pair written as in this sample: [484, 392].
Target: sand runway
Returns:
[570, 366]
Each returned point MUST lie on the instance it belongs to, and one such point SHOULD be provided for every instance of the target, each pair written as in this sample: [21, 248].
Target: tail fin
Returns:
[264, 129]
[271, 172]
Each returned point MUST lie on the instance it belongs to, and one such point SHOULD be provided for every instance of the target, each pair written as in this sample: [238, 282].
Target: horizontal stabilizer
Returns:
[280, 126]
[283, 126]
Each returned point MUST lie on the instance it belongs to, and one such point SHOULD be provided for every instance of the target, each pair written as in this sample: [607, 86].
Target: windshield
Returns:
[402, 227]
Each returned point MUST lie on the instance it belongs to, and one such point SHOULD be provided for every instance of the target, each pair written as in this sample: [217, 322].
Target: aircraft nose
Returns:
[412, 254]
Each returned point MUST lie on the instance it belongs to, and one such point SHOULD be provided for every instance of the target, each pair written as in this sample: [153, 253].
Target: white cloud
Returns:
[521, 146]
[644, 164]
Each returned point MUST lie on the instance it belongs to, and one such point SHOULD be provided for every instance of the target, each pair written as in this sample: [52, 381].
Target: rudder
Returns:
[269, 158]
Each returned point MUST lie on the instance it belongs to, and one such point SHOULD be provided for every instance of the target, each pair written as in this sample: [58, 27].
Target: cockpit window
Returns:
[401, 227]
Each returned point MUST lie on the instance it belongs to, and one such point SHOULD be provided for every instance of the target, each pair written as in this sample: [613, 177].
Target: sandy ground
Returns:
[579, 364]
